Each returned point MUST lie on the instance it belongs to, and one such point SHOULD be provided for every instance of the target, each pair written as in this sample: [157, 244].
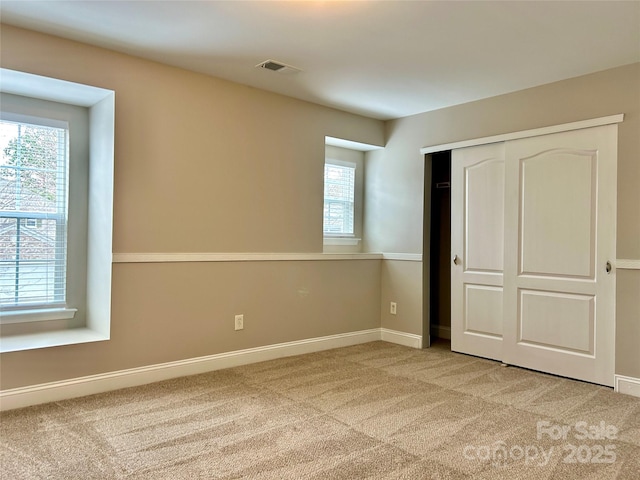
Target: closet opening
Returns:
[437, 246]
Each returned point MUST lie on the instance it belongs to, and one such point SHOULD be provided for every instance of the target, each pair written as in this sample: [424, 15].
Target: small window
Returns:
[33, 195]
[339, 194]
[344, 170]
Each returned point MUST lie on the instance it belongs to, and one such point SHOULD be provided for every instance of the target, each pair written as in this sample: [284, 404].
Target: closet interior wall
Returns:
[440, 246]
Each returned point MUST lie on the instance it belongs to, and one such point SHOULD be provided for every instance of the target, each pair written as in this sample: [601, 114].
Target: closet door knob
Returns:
[607, 267]
[455, 259]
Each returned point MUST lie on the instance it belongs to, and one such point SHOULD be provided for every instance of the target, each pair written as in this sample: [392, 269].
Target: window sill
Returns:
[16, 343]
[37, 315]
[351, 241]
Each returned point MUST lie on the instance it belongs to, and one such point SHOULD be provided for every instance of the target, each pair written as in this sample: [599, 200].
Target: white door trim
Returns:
[565, 127]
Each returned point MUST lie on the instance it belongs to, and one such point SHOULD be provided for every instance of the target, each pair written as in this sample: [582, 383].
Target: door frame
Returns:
[536, 132]
[426, 152]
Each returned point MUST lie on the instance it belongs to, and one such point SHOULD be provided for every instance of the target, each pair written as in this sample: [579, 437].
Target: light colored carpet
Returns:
[372, 411]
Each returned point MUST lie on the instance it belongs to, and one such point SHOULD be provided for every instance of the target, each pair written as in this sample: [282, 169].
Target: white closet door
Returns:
[477, 220]
[560, 220]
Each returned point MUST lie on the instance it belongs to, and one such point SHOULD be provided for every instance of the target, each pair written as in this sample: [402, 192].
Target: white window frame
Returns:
[347, 165]
[347, 243]
[92, 321]
[21, 110]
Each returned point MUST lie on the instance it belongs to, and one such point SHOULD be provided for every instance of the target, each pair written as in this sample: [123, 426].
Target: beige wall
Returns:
[397, 283]
[395, 203]
[202, 154]
[205, 165]
[172, 311]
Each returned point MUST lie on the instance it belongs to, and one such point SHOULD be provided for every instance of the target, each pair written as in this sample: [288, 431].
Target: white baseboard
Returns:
[401, 338]
[441, 332]
[89, 385]
[627, 385]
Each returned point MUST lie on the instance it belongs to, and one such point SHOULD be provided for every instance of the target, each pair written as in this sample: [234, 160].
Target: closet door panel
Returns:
[557, 201]
[483, 310]
[540, 313]
[559, 235]
[477, 239]
[484, 216]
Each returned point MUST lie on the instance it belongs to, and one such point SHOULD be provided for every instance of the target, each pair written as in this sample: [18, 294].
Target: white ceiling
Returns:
[383, 59]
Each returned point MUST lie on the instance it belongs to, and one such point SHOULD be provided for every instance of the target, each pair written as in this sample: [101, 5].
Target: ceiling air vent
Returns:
[278, 67]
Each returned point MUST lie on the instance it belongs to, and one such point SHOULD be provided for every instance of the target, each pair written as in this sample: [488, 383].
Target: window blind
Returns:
[33, 213]
[339, 186]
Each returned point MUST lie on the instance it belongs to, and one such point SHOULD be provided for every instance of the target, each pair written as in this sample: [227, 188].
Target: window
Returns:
[344, 194]
[339, 196]
[56, 203]
[33, 195]
[343, 199]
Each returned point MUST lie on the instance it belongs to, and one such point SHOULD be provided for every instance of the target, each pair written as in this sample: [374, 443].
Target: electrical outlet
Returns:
[392, 308]
[239, 322]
